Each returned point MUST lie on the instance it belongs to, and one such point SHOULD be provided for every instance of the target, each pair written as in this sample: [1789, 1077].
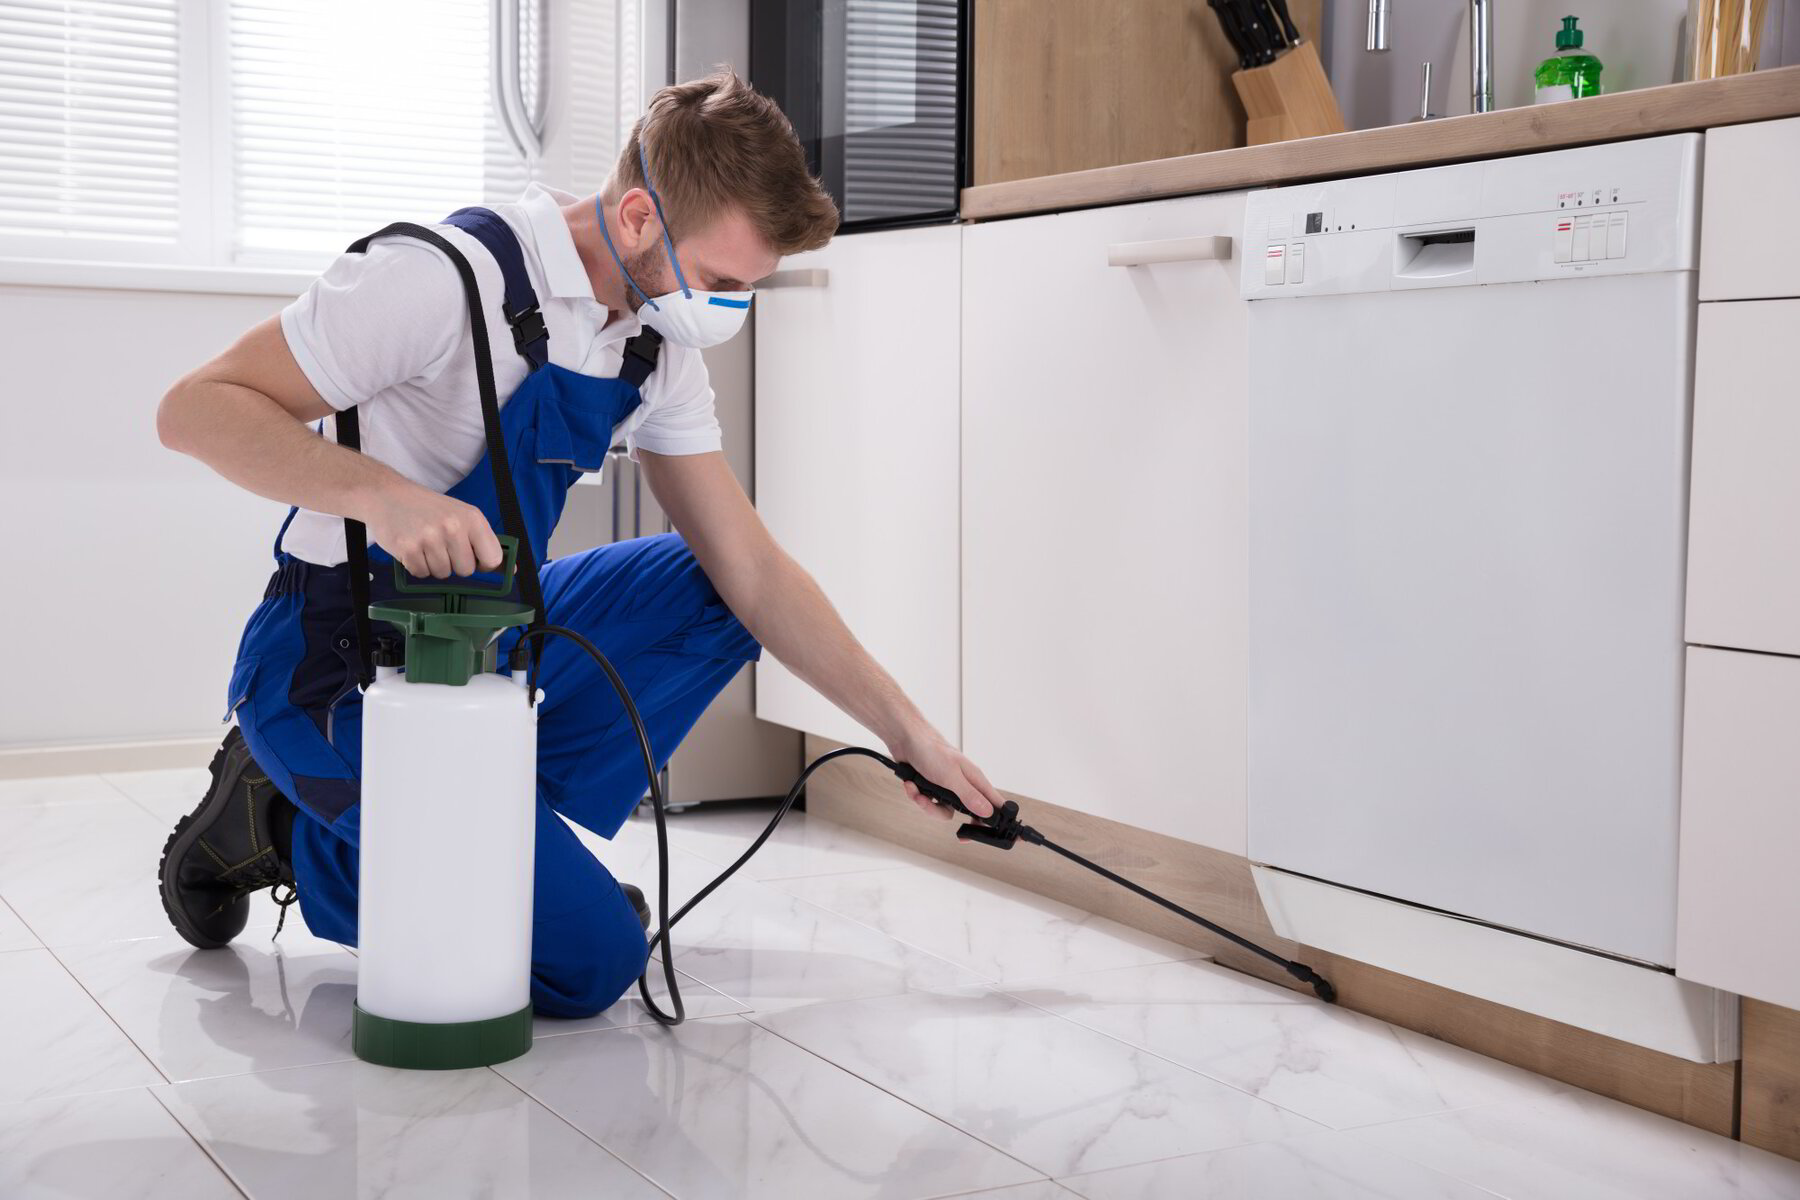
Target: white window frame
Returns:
[201, 257]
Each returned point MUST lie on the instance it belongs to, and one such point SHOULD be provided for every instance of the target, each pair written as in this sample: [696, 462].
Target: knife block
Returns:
[1288, 98]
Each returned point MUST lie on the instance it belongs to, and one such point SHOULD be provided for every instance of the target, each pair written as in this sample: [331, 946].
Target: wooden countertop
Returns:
[1758, 96]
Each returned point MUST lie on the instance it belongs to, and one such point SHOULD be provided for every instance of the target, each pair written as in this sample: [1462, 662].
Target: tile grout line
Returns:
[204, 1148]
[1129, 1045]
[786, 895]
[25, 925]
[107, 1013]
[1081, 924]
[1193, 1070]
[1483, 1104]
[1039, 980]
[837, 1066]
[1063, 1181]
[833, 874]
[1323, 1127]
[139, 804]
[1059, 1181]
[944, 1121]
[978, 1193]
[1391, 1028]
[580, 1132]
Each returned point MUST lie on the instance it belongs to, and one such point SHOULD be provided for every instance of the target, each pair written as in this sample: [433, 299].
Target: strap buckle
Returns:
[639, 357]
[528, 328]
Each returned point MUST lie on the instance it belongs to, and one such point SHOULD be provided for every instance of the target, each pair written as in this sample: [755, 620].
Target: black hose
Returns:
[1001, 830]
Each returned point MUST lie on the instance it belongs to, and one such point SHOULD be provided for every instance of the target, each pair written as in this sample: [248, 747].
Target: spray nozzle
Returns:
[1001, 830]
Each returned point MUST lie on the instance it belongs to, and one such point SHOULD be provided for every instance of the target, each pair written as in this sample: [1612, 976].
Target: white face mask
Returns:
[696, 319]
[685, 317]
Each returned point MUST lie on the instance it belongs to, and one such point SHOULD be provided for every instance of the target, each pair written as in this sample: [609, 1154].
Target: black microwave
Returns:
[877, 92]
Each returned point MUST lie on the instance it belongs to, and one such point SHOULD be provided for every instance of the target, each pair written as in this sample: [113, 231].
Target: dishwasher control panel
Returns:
[1621, 208]
[1589, 237]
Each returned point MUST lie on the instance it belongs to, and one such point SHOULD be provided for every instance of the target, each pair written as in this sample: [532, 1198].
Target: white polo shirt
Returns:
[389, 330]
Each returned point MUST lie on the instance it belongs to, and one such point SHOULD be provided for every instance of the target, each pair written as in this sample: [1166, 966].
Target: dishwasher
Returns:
[1470, 392]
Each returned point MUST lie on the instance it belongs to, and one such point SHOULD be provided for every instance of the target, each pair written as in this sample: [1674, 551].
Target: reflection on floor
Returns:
[866, 1022]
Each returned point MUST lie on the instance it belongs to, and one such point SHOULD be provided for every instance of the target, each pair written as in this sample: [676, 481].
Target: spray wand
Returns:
[1002, 830]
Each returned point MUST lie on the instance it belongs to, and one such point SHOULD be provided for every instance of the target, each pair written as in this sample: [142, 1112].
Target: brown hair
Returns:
[717, 143]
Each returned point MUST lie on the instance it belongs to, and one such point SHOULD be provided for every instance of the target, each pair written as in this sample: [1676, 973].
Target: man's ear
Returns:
[637, 219]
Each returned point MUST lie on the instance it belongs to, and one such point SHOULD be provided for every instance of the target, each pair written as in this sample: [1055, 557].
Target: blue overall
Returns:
[644, 602]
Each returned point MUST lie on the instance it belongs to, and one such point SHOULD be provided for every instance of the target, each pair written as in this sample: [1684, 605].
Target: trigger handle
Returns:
[936, 792]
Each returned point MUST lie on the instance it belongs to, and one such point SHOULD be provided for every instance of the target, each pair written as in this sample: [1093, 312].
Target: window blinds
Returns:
[274, 132]
[90, 132]
[346, 115]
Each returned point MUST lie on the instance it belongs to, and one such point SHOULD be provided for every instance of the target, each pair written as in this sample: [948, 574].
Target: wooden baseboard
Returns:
[861, 793]
[1771, 1091]
[1217, 885]
[91, 759]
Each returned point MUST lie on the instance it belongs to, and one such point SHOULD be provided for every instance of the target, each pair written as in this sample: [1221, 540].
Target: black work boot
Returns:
[635, 894]
[236, 843]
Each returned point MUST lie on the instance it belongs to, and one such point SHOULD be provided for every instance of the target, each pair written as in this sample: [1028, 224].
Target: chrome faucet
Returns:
[1481, 48]
[1481, 56]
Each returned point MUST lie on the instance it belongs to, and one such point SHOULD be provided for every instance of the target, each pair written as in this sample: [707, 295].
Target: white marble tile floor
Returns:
[14, 934]
[864, 1022]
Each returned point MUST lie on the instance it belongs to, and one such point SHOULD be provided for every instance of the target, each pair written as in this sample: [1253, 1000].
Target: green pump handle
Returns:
[449, 627]
[509, 546]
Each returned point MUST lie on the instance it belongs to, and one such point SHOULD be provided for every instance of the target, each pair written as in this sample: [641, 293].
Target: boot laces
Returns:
[262, 873]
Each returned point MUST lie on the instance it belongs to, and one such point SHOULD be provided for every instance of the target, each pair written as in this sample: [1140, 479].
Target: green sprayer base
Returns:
[423, 1046]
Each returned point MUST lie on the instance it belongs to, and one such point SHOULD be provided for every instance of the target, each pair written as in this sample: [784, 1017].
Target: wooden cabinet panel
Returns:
[856, 459]
[1748, 245]
[1065, 85]
[1739, 825]
[1744, 539]
[1105, 563]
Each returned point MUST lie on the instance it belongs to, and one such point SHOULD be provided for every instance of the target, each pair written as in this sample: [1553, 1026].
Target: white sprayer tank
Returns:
[449, 775]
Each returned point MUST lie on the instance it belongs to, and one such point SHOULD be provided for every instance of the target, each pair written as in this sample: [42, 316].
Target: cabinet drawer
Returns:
[1740, 824]
[1744, 541]
[1748, 248]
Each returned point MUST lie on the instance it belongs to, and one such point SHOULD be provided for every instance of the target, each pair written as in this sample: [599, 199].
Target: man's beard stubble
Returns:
[648, 269]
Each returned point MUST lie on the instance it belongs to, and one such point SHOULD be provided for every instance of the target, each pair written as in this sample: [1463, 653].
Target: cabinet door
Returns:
[1739, 825]
[856, 452]
[1744, 537]
[1748, 246]
[1104, 514]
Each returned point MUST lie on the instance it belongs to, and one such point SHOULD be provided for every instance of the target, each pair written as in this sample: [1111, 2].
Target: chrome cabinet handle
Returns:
[1187, 249]
[797, 278]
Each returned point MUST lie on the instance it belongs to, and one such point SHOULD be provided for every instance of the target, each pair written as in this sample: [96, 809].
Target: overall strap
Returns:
[520, 307]
[640, 357]
[512, 518]
[530, 337]
[356, 549]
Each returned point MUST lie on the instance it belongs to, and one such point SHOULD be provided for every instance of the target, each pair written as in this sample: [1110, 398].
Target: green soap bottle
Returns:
[1570, 73]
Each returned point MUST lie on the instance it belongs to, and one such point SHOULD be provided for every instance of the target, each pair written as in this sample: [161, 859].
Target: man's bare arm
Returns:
[246, 415]
[784, 608]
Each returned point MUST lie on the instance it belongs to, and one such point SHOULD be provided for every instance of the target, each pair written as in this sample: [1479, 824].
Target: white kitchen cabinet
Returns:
[1740, 824]
[856, 458]
[1104, 514]
[1749, 247]
[1744, 536]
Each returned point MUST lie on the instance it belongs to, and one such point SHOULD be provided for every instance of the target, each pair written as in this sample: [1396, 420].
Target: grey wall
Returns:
[130, 568]
[1383, 89]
